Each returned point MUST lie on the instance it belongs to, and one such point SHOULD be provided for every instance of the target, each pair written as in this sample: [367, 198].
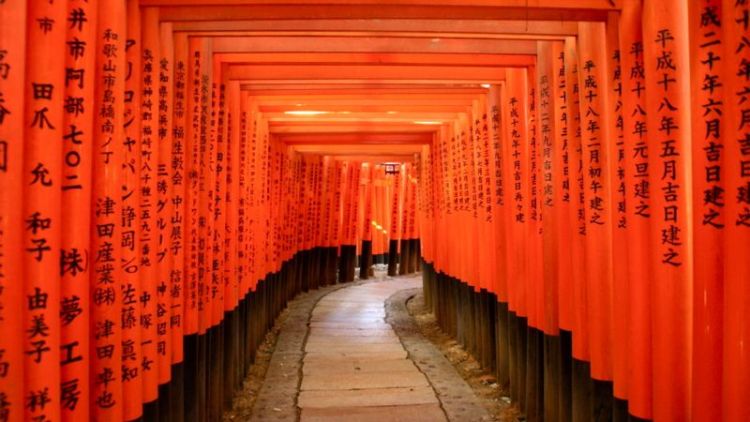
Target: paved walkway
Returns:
[338, 358]
[355, 367]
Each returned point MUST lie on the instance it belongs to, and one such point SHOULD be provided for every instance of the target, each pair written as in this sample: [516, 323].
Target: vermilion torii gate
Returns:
[574, 176]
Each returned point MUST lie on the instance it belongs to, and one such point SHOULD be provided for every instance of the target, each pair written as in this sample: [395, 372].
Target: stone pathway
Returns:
[338, 358]
[277, 398]
[355, 367]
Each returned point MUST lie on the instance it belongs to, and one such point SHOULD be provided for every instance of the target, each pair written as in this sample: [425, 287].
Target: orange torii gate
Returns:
[573, 173]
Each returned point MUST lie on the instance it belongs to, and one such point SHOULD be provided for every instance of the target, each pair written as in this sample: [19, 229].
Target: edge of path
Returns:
[456, 397]
[277, 397]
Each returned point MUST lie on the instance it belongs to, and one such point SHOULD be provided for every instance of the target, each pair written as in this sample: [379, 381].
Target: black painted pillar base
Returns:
[537, 369]
[403, 261]
[164, 406]
[503, 348]
[191, 377]
[552, 368]
[414, 258]
[620, 410]
[177, 393]
[534, 374]
[488, 324]
[392, 258]
[582, 391]
[565, 393]
[151, 411]
[331, 265]
[347, 263]
[603, 400]
[365, 262]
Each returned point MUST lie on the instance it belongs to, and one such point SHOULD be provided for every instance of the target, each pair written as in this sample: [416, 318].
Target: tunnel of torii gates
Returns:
[572, 176]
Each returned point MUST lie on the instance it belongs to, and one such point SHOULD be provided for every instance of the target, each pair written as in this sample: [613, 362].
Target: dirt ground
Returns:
[492, 396]
[244, 400]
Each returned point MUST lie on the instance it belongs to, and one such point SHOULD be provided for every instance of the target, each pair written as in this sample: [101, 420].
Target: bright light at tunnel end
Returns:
[305, 112]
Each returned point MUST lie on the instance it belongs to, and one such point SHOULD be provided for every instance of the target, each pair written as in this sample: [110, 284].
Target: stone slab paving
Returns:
[336, 380]
[277, 398]
[412, 413]
[335, 386]
[338, 358]
[354, 367]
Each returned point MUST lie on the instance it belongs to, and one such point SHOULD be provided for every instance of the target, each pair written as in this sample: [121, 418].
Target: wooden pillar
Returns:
[550, 198]
[368, 192]
[394, 232]
[618, 170]
[708, 199]
[666, 60]
[13, 95]
[149, 153]
[42, 145]
[581, 408]
[192, 205]
[639, 209]
[595, 129]
[107, 397]
[132, 379]
[179, 177]
[736, 373]
[163, 212]
[78, 138]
